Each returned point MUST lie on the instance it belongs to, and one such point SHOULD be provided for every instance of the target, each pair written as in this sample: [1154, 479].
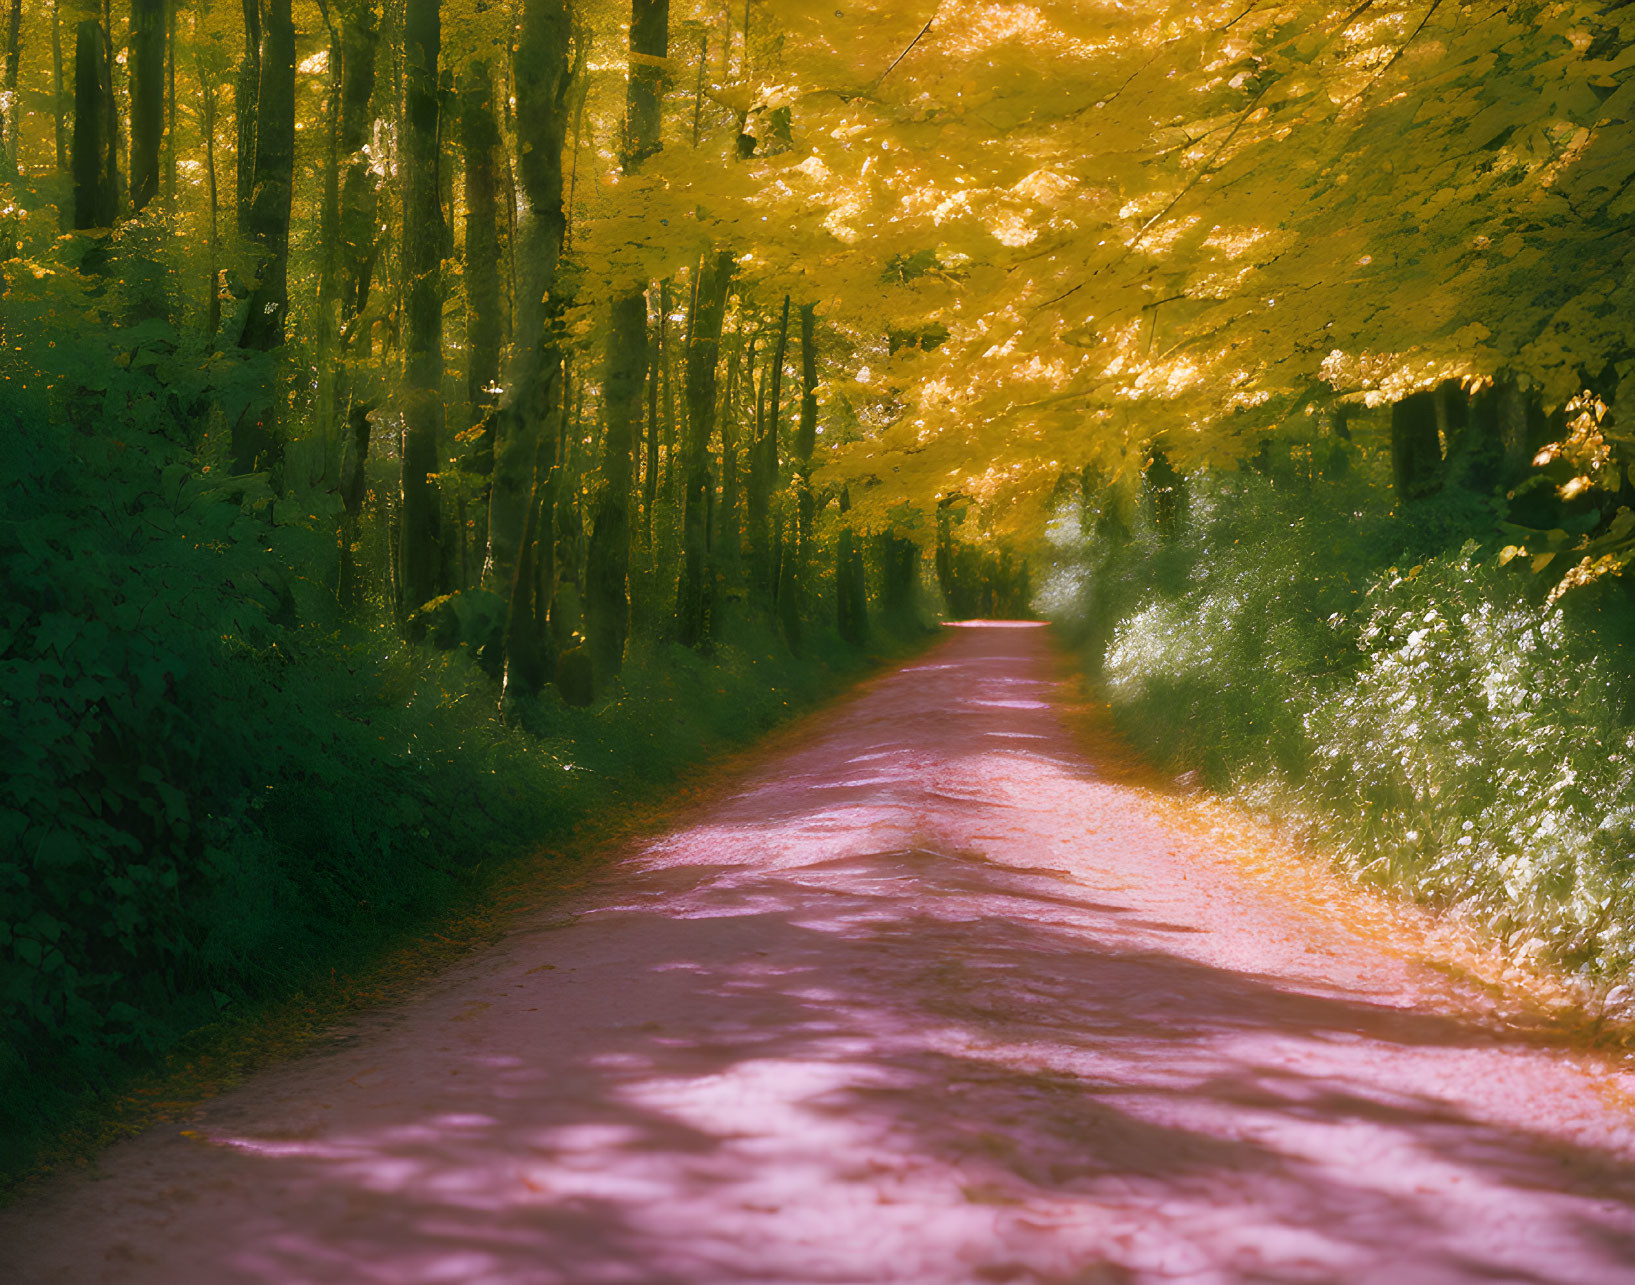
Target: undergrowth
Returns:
[1380, 681]
[219, 788]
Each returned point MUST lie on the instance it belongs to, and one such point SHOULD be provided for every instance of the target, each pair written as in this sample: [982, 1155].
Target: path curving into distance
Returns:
[930, 999]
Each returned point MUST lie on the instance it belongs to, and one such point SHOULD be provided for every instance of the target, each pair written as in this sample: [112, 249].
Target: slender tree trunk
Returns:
[255, 438]
[246, 90]
[668, 371]
[851, 583]
[695, 596]
[354, 487]
[359, 208]
[607, 598]
[1416, 449]
[330, 382]
[93, 202]
[650, 477]
[485, 322]
[726, 540]
[422, 555]
[806, 434]
[170, 105]
[521, 513]
[147, 72]
[797, 549]
[14, 110]
[447, 130]
[59, 100]
[269, 225]
[899, 578]
[763, 465]
[207, 124]
[649, 39]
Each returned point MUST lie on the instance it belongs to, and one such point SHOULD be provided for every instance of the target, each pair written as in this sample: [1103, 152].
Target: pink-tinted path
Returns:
[929, 1000]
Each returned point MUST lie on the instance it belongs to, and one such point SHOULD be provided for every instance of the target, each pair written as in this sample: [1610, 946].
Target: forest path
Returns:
[930, 999]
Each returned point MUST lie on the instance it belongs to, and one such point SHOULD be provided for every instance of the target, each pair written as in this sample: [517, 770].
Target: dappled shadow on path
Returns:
[929, 1000]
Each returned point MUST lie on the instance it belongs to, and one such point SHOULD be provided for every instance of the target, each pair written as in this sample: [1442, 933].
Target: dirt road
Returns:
[932, 999]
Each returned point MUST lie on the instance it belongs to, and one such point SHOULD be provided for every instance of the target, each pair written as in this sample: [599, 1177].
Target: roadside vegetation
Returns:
[1383, 675]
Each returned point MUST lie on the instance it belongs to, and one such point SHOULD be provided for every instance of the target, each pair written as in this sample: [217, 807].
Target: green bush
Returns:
[1387, 687]
[217, 788]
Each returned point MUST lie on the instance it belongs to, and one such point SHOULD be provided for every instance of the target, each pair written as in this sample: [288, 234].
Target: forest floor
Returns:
[941, 988]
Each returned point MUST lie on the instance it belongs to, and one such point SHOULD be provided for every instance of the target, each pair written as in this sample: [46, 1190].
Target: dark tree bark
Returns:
[360, 40]
[207, 125]
[649, 39]
[246, 90]
[1166, 488]
[607, 599]
[422, 554]
[14, 53]
[147, 68]
[330, 406]
[521, 511]
[269, 215]
[1416, 447]
[797, 550]
[170, 104]
[354, 486]
[899, 560]
[667, 372]
[485, 305]
[851, 583]
[650, 477]
[59, 99]
[726, 538]
[763, 465]
[93, 200]
[695, 595]
[806, 434]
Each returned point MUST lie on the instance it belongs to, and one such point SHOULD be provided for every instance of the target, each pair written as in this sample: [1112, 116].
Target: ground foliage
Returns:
[1392, 688]
[219, 785]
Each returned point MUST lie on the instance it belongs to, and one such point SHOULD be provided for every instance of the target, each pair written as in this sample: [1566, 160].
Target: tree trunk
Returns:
[170, 105]
[422, 556]
[269, 215]
[331, 382]
[93, 202]
[650, 478]
[1416, 448]
[14, 111]
[1166, 488]
[110, 126]
[667, 369]
[726, 541]
[798, 546]
[521, 513]
[695, 597]
[851, 585]
[649, 39]
[763, 466]
[59, 101]
[899, 578]
[147, 72]
[607, 598]
[359, 209]
[485, 320]
[354, 486]
[207, 125]
[246, 89]
[806, 434]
